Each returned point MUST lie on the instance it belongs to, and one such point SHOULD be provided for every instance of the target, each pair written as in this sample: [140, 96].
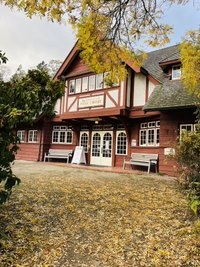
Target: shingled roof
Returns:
[170, 94]
[151, 64]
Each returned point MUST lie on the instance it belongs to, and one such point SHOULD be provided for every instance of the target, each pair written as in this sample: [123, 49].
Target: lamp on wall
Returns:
[96, 122]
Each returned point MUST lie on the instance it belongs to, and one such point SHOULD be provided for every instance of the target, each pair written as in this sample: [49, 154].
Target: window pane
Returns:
[34, 136]
[62, 137]
[99, 81]
[21, 135]
[121, 144]
[176, 72]
[84, 141]
[72, 86]
[150, 137]
[92, 82]
[69, 137]
[157, 136]
[30, 138]
[78, 86]
[55, 137]
[143, 137]
[96, 142]
[84, 84]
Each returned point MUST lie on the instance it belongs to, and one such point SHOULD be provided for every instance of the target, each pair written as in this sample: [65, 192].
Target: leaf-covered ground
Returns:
[70, 217]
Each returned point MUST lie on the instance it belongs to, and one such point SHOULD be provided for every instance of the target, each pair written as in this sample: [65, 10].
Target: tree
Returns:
[190, 58]
[104, 26]
[22, 100]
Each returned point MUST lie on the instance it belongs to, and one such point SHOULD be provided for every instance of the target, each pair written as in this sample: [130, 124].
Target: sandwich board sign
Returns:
[79, 155]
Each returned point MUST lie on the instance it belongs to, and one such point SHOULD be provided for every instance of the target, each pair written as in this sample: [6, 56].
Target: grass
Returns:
[70, 217]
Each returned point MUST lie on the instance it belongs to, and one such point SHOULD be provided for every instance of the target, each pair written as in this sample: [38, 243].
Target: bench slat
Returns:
[142, 160]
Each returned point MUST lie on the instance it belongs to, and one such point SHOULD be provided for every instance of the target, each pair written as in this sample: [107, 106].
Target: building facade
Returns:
[145, 113]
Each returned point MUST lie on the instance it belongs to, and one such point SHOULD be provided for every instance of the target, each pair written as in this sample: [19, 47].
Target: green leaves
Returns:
[3, 57]
[188, 157]
[22, 100]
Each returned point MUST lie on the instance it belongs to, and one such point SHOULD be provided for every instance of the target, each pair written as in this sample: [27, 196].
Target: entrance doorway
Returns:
[101, 153]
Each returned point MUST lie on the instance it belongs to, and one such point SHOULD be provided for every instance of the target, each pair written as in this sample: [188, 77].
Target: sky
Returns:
[31, 41]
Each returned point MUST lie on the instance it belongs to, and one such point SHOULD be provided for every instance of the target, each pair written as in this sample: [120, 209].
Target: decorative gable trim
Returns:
[67, 62]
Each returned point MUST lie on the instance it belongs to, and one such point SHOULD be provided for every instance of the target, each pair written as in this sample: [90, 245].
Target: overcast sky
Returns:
[31, 41]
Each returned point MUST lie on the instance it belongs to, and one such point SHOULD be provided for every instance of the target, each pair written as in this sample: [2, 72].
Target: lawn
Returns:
[70, 217]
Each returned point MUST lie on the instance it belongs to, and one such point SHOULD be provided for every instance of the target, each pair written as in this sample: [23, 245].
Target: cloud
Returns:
[30, 41]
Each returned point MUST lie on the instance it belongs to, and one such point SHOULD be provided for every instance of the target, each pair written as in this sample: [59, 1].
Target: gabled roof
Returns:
[170, 95]
[74, 52]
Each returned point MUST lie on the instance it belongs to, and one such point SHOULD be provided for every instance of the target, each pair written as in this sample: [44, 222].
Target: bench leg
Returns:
[149, 167]
[156, 167]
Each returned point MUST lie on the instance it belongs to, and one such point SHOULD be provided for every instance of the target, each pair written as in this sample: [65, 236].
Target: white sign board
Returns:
[168, 151]
[133, 142]
[79, 155]
[92, 101]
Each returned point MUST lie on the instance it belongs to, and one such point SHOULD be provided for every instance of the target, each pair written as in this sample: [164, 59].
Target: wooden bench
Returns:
[58, 154]
[142, 160]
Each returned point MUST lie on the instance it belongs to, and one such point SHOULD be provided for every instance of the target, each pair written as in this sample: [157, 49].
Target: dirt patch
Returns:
[70, 217]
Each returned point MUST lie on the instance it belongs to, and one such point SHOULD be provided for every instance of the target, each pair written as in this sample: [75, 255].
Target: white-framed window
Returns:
[187, 128]
[121, 147]
[84, 84]
[99, 81]
[143, 125]
[143, 137]
[21, 135]
[91, 82]
[32, 136]
[176, 72]
[84, 137]
[78, 86]
[149, 133]
[72, 86]
[62, 135]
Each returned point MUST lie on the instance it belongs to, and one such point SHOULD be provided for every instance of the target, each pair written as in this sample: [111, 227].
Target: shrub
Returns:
[188, 158]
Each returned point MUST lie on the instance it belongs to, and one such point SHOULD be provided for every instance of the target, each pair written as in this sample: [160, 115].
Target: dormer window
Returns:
[176, 72]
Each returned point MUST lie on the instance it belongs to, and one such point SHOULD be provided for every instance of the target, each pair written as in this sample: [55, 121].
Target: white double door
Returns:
[101, 144]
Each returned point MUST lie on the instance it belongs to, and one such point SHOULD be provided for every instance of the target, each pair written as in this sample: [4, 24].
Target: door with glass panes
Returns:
[101, 152]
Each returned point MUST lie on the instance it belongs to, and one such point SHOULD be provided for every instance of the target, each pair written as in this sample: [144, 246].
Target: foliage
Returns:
[103, 27]
[76, 217]
[23, 99]
[188, 155]
[190, 58]
[3, 57]
[51, 67]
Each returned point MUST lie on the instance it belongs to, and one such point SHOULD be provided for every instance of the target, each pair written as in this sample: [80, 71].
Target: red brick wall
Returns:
[28, 151]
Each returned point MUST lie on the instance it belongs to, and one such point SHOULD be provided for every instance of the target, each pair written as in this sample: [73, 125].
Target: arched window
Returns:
[121, 143]
[84, 141]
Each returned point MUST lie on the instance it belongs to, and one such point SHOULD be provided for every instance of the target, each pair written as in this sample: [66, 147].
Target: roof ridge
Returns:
[164, 48]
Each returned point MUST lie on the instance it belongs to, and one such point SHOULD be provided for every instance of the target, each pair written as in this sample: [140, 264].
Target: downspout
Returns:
[40, 145]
